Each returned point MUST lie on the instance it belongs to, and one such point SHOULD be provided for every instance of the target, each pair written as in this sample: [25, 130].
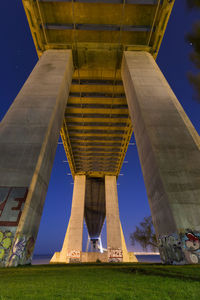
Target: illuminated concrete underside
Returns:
[97, 127]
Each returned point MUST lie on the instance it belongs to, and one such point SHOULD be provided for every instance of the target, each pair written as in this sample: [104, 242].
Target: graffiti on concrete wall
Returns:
[115, 255]
[12, 201]
[74, 256]
[191, 247]
[171, 249]
[5, 244]
[21, 252]
[180, 248]
[11, 205]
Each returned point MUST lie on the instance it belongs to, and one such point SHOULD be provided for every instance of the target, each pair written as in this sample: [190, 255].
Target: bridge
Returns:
[96, 82]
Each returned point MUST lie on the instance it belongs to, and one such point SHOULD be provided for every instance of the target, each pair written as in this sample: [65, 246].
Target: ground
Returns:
[101, 281]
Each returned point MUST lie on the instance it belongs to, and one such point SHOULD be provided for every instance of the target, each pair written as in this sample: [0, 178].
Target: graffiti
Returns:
[191, 247]
[22, 251]
[18, 248]
[171, 249]
[74, 256]
[180, 248]
[115, 255]
[5, 243]
[11, 205]
[12, 201]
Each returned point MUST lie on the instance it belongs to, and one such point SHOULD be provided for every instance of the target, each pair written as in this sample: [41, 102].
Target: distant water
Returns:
[45, 259]
[149, 258]
[41, 259]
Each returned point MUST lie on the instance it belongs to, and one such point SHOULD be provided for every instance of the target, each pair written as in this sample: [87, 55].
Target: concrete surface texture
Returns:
[168, 147]
[94, 257]
[28, 139]
[112, 214]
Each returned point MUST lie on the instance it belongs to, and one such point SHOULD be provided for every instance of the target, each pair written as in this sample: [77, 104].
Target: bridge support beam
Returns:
[114, 241]
[169, 152]
[116, 245]
[72, 246]
[29, 134]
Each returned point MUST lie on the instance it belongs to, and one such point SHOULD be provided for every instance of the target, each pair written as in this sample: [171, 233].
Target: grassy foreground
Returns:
[115, 282]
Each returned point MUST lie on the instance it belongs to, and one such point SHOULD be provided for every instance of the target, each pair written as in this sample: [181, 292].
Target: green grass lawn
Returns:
[101, 281]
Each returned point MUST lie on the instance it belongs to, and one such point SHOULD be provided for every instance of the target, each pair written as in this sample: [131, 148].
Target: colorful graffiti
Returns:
[74, 256]
[21, 252]
[5, 244]
[191, 247]
[115, 255]
[183, 248]
[12, 200]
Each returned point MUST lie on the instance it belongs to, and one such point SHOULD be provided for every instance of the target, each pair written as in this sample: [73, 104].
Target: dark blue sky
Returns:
[18, 57]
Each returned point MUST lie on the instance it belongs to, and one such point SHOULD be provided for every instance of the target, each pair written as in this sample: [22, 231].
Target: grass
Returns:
[101, 281]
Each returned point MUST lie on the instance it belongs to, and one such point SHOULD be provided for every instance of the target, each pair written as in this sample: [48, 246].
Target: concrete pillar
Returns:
[114, 241]
[169, 152]
[28, 139]
[72, 246]
[116, 244]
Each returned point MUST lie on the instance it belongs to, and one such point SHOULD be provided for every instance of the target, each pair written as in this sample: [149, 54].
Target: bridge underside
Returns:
[97, 126]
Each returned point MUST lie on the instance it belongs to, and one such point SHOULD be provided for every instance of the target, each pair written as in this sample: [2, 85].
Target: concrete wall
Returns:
[28, 139]
[94, 257]
[169, 152]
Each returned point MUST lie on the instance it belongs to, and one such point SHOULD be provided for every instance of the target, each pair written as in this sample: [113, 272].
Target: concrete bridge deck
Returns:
[97, 127]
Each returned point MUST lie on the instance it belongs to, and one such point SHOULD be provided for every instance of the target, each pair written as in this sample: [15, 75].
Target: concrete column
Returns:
[114, 241]
[72, 246]
[28, 139]
[169, 152]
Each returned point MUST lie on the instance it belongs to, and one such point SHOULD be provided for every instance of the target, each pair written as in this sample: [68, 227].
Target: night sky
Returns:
[18, 57]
